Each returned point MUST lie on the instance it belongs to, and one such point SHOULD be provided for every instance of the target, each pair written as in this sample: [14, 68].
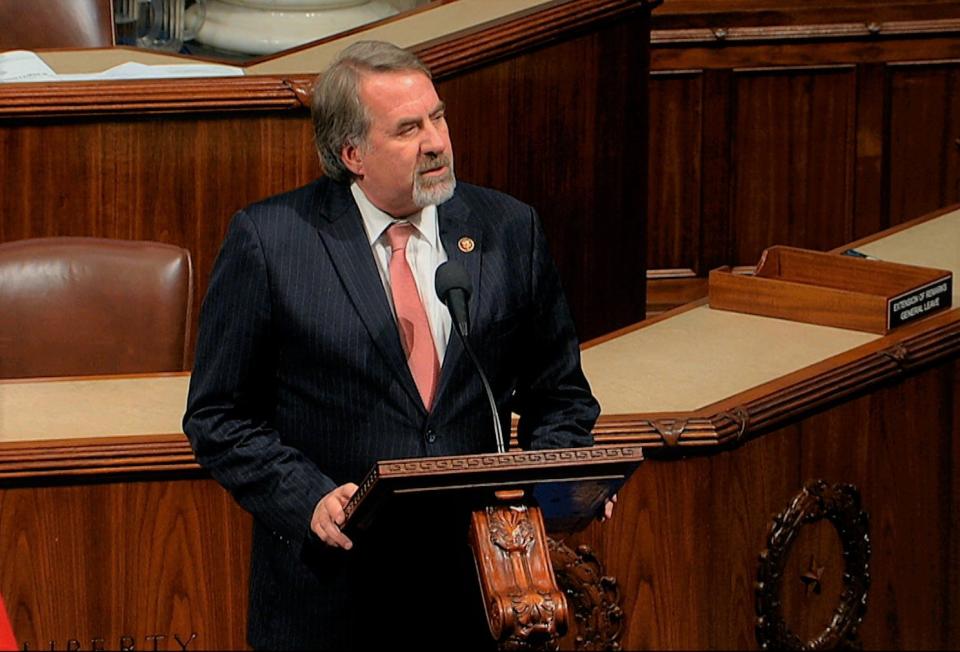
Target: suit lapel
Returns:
[342, 232]
[458, 233]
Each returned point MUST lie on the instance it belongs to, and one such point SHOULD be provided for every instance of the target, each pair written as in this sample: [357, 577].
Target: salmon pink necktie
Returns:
[411, 317]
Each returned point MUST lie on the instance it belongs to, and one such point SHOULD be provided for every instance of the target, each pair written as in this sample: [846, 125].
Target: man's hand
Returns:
[328, 516]
[608, 508]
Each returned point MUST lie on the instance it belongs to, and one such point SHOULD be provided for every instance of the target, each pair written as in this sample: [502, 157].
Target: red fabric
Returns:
[7, 641]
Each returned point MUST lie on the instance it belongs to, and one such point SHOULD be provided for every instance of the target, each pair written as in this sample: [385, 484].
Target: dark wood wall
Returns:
[570, 144]
[532, 107]
[802, 123]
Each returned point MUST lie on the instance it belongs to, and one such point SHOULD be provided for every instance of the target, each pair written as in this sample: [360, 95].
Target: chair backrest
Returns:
[87, 306]
[28, 25]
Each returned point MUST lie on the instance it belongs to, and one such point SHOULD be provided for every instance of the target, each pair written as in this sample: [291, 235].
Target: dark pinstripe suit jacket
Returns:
[300, 381]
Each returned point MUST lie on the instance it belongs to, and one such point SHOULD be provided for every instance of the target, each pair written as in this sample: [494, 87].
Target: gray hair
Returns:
[339, 118]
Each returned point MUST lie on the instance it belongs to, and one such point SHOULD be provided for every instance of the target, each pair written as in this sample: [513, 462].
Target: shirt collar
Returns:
[375, 221]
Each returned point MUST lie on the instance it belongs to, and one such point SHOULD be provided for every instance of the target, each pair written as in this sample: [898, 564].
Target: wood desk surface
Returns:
[698, 356]
[69, 408]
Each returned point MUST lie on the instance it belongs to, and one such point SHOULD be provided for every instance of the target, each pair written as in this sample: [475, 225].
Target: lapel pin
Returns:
[466, 245]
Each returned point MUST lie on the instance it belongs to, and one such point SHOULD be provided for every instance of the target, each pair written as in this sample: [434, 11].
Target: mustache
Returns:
[433, 163]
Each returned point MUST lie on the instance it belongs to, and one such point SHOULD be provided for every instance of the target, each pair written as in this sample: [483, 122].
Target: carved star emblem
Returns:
[811, 578]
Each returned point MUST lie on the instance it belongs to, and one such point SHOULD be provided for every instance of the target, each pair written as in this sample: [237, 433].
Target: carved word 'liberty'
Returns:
[154, 642]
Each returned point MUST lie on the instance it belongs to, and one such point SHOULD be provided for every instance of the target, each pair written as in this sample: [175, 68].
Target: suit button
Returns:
[431, 436]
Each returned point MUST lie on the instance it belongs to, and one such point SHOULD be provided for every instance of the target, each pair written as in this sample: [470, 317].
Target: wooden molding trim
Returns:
[96, 457]
[144, 97]
[742, 417]
[761, 34]
[445, 57]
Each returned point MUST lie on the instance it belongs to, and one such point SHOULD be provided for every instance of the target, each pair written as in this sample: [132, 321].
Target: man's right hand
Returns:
[328, 516]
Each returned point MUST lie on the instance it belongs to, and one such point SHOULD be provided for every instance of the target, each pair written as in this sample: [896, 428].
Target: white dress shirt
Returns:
[424, 254]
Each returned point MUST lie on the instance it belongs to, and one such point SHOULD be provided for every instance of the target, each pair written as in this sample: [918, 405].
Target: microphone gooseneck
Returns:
[454, 289]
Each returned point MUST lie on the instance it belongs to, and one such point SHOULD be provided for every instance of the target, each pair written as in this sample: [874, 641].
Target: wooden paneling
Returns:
[521, 126]
[56, 24]
[911, 536]
[792, 141]
[676, 143]
[697, 524]
[549, 125]
[715, 225]
[870, 189]
[133, 559]
[952, 503]
[818, 124]
[924, 138]
[168, 179]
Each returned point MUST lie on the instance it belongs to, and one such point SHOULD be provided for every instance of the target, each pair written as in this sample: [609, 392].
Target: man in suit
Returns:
[323, 348]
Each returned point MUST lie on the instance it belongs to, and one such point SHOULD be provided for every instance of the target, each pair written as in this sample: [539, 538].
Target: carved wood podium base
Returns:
[525, 608]
[594, 597]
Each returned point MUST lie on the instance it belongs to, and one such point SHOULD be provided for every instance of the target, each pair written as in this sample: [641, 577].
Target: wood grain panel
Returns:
[674, 222]
[871, 188]
[804, 53]
[805, 13]
[923, 154]
[179, 179]
[718, 133]
[896, 173]
[896, 447]
[744, 492]
[792, 156]
[953, 505]
[697, 523]
[695, 529]
[133, 558]
[56, 24]
[170, 179]
[521, 126]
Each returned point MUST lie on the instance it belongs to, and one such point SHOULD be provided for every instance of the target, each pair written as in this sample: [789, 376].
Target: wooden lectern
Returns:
[513, 498]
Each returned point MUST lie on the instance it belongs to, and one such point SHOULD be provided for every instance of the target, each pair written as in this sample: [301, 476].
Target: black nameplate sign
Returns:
[919, 303]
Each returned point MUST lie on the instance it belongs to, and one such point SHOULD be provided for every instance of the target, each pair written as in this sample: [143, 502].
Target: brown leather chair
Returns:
[85, 306]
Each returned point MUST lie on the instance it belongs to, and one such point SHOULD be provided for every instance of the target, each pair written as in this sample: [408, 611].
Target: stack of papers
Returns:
[26, 66]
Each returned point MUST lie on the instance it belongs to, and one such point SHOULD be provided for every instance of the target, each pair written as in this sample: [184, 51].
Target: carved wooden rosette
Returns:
[525, 609]
[595, 597]
[840, 504]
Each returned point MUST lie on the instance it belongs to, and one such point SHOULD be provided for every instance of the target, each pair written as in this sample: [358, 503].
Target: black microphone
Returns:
[454, 289]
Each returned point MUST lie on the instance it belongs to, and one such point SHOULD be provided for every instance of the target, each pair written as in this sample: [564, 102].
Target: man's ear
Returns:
[352, 157]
